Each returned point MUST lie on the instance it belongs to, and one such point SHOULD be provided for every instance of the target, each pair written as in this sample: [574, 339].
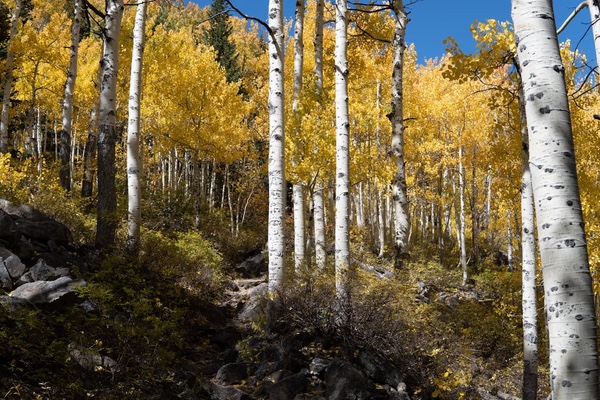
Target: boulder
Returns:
[44, 230]
[12, 262]
[5, 279]
[22, 211]
[288, 388]
[222, 392]
[345, 382]
[233, 373]
[90, 360]
[253, 266]
[318, 366]
[377, 368]
[9, 233]
[44, 272]
[46, 292]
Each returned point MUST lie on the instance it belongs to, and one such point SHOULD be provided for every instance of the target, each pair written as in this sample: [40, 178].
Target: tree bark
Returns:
[134, 192]
[277, 186]
[568, 288]
[401, 217]
[461, 217]
[298, 187]
[67, 106]
[8, 79]
[107, 194]
[342, 182]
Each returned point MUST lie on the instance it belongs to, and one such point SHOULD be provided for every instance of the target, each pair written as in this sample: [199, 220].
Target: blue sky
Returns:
[434, 20]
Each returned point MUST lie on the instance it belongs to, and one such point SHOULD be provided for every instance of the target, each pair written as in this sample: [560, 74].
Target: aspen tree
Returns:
[8, 78]
[569, 298]
[401, 217]
[318, 195]
[277, 186]
[298, 187]
[67, 106]
[342, 182]
[133, 140]
[107, 192]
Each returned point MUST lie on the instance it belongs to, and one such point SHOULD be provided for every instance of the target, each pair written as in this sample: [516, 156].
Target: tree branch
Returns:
[94, 9]
[580, 7]
[260, 21]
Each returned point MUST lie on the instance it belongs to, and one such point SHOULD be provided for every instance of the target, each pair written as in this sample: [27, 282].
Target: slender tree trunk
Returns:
[277, 186]
[107, 193]
[318, 195]
[89, 153]
[342, 183]
[298, 187]
[134, 166]
[569, 295]
[461, 217]
[8, 77]
[381, 221]
[67, 106]
[530, 335]
[401, 217]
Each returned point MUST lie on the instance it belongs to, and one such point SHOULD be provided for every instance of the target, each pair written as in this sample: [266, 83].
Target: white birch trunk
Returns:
[568, 289]
[67, 106]
[461, 217]
[8, 78]
[107, 192]
[133, 133]
[298, 187]
[342, 198]
[594, 8]
[277, 189]
[318, 195]
[401, 218]
[381, 222]
[530, 335]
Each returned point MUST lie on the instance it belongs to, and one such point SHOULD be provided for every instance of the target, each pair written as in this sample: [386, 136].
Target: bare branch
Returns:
[260, 21]
[580, 7]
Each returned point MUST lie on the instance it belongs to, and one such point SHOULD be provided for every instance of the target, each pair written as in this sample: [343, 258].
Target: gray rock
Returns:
[91, 360]
[378, 369]
[8, 230]
[43, 230]
[46, 292]
[288, 388]
[344, 382]
[5, 279]
[23, 211]
[234, 373]
[222, 392]
[13, 264]
[253, 266]
[43, 272]
[318, 366]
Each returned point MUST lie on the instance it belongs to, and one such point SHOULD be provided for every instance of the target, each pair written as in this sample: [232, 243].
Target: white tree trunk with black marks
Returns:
[107, 192]
[8, 77]
[134, 192]
[298, 188]
[401, 217]
[277, 187]
[342, 182]
[67, 106]
[568, 288]
[460, 226]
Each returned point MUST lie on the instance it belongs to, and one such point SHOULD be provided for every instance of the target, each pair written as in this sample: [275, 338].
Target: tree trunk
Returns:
[298, 187]
[569, 295]
[107, 193]
[134, 166]
[89, 153]
[318, 195]
[530, 335]
[401, 218]
[342, 182]
[461, 217]
[277, 186]
[67, 106]
[8, 77]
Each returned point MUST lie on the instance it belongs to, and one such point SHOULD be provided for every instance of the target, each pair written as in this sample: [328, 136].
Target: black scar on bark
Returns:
[570, 243]
[545, 110]
[569, 203]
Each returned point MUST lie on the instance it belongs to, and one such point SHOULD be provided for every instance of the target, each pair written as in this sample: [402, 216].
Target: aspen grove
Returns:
[442, 213]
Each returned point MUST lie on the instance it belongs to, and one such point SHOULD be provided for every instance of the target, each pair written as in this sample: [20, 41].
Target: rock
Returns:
[222, 392]
[22, 211]
[24, 249]
[253, 266]
[13, 264]
[318, 366]
[46, 292]
[91, 360]
[43, 272]
[43, 230]
[344, 382]
[234, 373]
[9, 233]
[377, 368]
[255, 305]
[5, 279]
[288, 388]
